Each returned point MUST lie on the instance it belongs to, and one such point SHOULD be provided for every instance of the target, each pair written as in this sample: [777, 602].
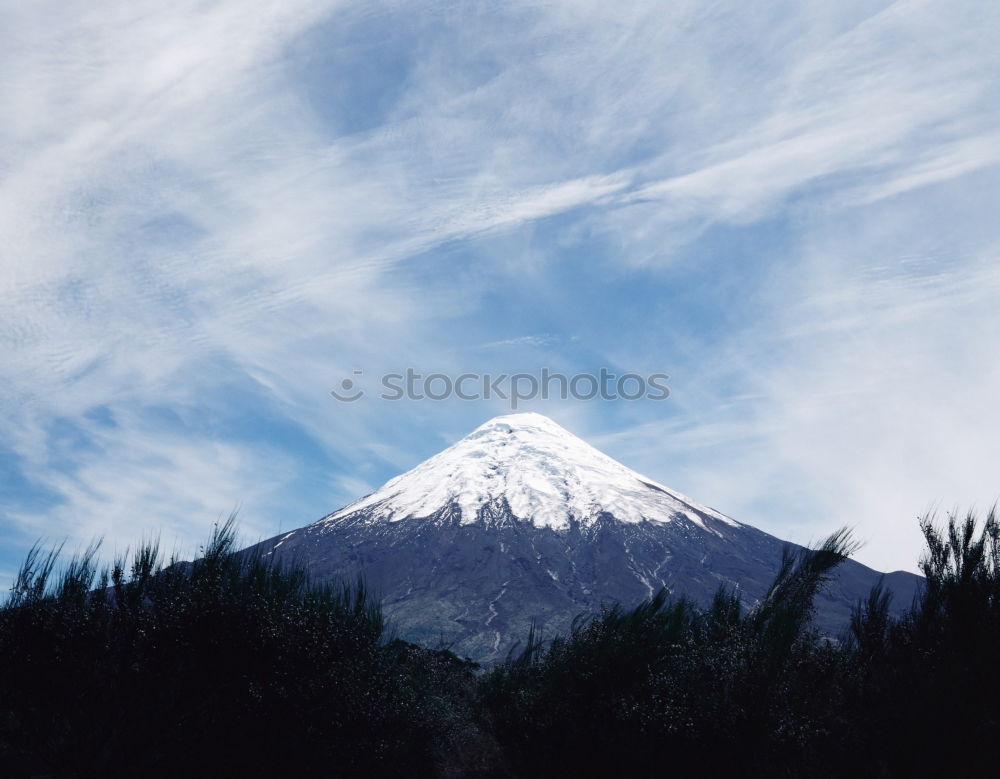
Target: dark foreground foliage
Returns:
[668, 687]
[231, 666]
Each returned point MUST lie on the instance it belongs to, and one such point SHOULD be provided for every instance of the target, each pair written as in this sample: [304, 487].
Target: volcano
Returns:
[521, 522]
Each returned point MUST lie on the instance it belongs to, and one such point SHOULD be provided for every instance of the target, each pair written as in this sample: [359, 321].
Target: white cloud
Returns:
[133, 481]
[865, 399]
[178, 216]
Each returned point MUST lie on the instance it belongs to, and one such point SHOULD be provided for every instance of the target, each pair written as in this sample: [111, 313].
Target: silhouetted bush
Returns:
[926, 694]
[668, 687]
[228, 666]
[667, 684]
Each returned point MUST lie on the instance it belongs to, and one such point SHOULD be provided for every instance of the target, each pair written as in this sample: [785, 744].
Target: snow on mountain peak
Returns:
[546, 474]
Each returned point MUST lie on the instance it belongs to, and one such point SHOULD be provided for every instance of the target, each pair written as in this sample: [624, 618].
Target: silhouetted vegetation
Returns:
[230, 666]
[233, 666]
[669, 687]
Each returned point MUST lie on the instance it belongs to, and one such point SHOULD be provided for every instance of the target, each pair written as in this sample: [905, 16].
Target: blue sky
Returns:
[214, 212]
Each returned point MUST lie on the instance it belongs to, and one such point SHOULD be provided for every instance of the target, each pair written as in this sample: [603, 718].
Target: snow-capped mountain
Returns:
[523, 522]
[546, 475]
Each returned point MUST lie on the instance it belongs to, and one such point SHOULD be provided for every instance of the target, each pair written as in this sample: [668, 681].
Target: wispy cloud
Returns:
[201, 205]
[538, 339]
